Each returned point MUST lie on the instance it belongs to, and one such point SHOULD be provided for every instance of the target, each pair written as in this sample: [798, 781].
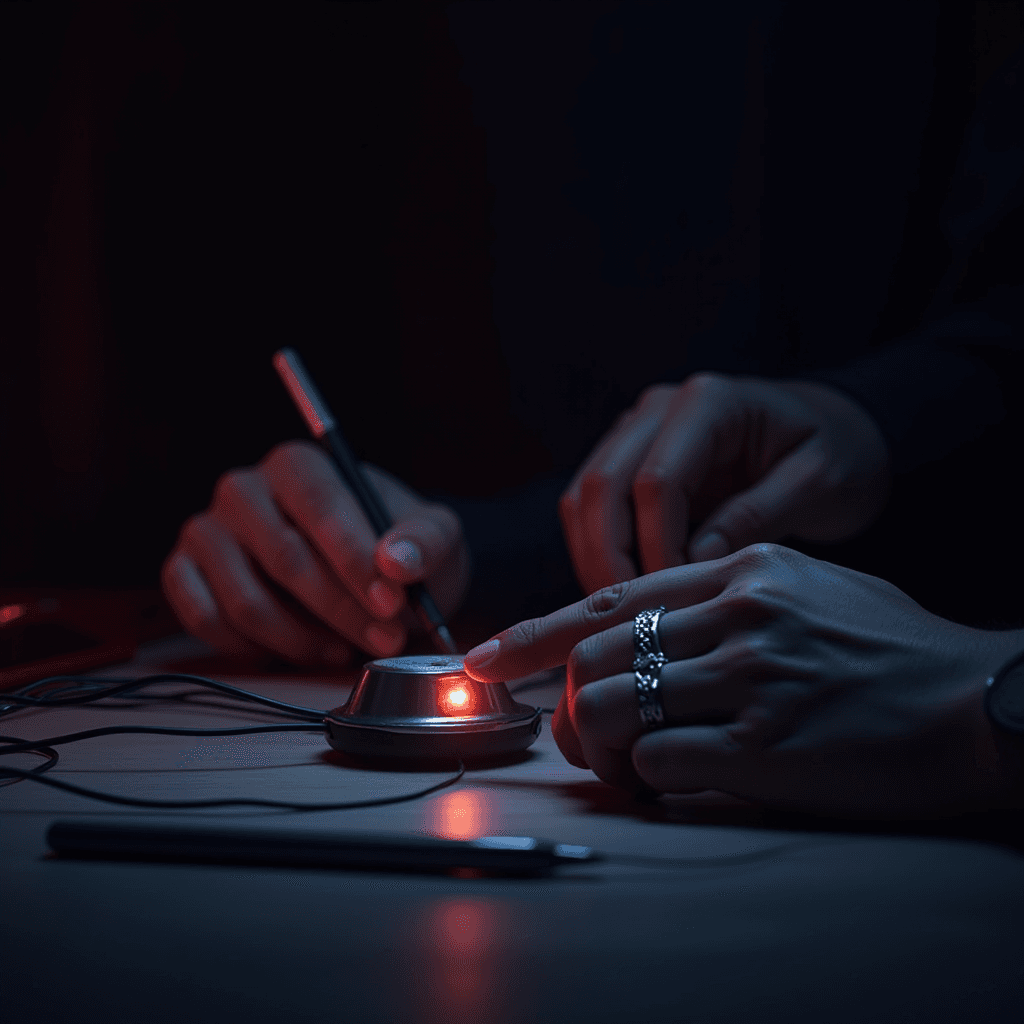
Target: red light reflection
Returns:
[459, 814]
[464, 975]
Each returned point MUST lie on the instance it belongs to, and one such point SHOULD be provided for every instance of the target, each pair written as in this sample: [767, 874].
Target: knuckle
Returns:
[229, 487]
[290, 455]
[250, 614]
[755, 597]
[762, 556]
[745, 520]
[651, 484]
[751, 654]
[527, 632]
[314, 494]
[707, 382]
[286, 556]
[601, 605]
[595, 486]
[198, 622]
[656, 393]
[194, 530]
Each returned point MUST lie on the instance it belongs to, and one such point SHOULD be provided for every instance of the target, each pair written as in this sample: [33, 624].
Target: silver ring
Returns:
[647, 661]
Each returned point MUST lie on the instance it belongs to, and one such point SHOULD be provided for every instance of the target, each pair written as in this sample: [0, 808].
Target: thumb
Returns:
[418, 545]
[768, 511]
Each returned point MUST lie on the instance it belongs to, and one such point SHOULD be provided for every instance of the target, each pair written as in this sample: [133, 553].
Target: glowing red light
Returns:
[455, 697]
[10, 612]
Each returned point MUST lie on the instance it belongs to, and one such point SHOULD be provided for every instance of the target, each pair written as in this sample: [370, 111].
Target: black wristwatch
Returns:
[1004, 696]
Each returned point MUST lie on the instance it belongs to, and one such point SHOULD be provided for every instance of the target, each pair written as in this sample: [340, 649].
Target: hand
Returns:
[791, 682]
[750, 460]
[284, 561]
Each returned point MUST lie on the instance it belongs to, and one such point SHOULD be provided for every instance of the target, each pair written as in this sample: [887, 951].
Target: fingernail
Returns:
[714, 545]
[482, 655]
[384, 640]
[406, 554]
[384, 600]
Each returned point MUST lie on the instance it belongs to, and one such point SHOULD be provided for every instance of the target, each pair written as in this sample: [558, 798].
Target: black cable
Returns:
[120, 686]
[160, 730]
[128, 801]
[51, 755]
[95, 689]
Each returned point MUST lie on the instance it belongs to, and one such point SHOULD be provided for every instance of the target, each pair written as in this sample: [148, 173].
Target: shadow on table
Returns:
[1001, 828]
[390, 764]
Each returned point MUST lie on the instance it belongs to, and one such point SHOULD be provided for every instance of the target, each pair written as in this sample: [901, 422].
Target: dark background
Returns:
[185, 188]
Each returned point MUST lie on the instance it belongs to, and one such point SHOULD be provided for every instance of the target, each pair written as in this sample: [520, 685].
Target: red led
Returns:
[456, 698]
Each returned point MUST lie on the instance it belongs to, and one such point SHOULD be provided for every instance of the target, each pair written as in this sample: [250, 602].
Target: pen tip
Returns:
[444, 640]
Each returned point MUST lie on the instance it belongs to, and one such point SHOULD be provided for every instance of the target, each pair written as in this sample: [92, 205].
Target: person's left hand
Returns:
[741, 460]
[790, 682]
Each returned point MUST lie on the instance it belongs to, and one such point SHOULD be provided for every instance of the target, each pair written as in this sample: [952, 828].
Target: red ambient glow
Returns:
[10, 612]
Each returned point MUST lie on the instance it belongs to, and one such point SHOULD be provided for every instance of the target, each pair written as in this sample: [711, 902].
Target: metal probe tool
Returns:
[324, 428]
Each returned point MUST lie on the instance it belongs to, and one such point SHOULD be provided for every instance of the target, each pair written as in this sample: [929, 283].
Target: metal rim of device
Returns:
[388, 715]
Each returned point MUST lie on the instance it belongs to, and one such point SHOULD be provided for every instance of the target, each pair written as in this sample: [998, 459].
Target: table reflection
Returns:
[463, 975]
[460, 814]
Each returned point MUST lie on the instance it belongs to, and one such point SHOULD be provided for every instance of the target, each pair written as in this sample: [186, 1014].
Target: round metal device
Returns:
[425, 708]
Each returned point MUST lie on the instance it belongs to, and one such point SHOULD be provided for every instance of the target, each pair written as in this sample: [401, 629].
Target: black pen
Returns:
[324, 428]
[111, 839]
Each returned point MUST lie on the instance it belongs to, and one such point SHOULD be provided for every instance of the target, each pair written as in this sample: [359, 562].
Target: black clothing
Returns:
[753, 188]
[663, 287]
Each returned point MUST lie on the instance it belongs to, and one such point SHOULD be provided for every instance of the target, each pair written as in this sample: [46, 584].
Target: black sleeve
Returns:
[938, 390]
[521, 566]
[960, 376]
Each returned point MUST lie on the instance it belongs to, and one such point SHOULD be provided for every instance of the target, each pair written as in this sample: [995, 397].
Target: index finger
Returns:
[547, 642]
[309, 491]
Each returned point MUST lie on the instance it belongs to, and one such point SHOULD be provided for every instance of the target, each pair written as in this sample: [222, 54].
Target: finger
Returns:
[537, 644]
[606, 714]
[675, 466]
[769, 510]
[307, 488]
[244, 504]
[190, 598]
[702, 432]
[595, 510]
[419, 546]
[248, 606]
[683, 634]
[693, 759]
[565, 735]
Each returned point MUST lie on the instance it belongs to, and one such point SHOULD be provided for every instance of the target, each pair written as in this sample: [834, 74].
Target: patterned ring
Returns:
[647, 661]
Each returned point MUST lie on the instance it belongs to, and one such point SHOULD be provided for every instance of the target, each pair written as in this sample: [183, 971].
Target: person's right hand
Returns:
[285, 561]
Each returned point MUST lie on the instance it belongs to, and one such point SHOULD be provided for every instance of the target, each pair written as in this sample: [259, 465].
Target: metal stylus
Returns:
[324, 428]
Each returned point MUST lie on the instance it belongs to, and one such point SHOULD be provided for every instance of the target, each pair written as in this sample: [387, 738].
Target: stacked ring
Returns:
[647, 661]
